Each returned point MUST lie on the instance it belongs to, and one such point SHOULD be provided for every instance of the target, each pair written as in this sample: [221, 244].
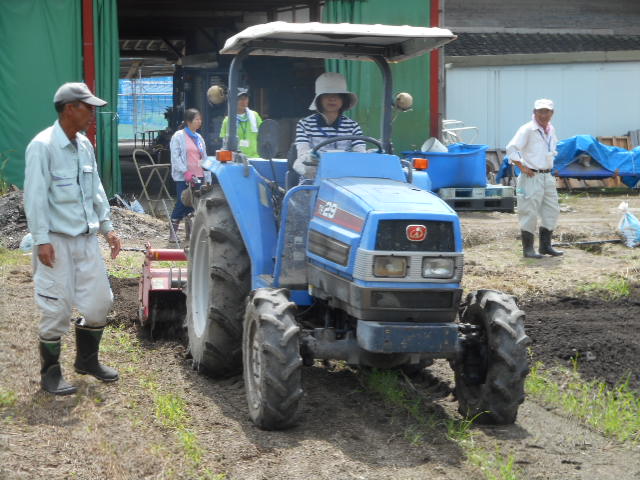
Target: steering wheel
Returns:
[377, 143]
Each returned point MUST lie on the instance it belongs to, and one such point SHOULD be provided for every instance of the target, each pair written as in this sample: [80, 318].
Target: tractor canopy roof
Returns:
[338, 40]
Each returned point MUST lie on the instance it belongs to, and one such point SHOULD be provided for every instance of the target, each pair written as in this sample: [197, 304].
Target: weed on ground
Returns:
[612, 288]
[614, 412]
[494, 465]
[12, 258]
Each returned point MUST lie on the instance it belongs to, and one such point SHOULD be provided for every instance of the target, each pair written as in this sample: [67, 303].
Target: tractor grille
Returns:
[392, 236]
[415, 300]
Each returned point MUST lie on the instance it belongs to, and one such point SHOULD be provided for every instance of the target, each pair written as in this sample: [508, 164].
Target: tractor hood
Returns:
[385, 195]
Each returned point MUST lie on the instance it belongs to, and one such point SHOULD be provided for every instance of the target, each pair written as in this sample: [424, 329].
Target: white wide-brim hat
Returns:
[333, 83]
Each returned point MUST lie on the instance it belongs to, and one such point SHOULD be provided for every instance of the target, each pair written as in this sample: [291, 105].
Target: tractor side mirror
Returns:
[403, 101]
[268, 137]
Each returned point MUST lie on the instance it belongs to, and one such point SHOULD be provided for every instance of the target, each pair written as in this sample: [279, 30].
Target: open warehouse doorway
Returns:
[169, 60]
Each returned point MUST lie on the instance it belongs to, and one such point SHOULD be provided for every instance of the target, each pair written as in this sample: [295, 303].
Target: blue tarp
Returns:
[605, 161]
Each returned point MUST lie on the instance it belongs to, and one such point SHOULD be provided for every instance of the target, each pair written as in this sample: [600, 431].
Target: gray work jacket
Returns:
[62, 190]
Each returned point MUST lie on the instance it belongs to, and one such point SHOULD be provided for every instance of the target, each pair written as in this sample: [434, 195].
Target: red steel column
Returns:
[435, 69]
[89, 57]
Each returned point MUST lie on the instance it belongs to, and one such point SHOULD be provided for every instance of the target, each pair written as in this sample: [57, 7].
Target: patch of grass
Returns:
[613, 288]
[117, 340]
[170, 264]
[493, 465]
[170, 410]
[10, 258]
[129, 265]
[459, 430]
[8, 398]
[613, 411]
[414, 436]
[126, 265]
[189, 442]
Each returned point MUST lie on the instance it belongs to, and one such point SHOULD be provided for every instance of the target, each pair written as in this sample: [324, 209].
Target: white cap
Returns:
[543, 103]
[76, 91]
[333, 83]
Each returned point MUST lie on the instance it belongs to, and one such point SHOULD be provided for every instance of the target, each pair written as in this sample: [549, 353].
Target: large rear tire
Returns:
[271, 357]
[490, 376]
[217, 288]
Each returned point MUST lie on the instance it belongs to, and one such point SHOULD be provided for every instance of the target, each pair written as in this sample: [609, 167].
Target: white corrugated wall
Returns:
[599, 99]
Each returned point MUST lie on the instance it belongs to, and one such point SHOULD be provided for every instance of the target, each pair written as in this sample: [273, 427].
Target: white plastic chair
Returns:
[454, 131]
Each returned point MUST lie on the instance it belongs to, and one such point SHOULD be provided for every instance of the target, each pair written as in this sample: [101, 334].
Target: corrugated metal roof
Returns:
[471, 44]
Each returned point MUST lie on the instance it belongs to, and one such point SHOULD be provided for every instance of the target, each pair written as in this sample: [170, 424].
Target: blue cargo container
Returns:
[463, 165]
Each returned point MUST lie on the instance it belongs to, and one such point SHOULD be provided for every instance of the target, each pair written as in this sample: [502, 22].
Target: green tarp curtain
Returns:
[107, 52]
[41, 48]
[410, 129]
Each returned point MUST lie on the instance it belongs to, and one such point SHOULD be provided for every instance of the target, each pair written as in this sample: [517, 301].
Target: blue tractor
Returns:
[363, 265]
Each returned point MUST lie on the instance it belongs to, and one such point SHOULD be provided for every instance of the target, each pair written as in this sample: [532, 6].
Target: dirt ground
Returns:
[345, 432]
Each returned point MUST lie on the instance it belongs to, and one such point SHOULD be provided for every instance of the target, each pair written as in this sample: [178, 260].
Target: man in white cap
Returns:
[66, 206]
[331, 101]
[532, 150]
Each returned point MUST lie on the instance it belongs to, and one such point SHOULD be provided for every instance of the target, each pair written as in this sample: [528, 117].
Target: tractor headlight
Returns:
[438, 267]
[389, 266]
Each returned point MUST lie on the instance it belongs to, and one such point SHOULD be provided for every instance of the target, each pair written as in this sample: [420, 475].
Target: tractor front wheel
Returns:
[491, 372]
[217, 287]
[271, 357]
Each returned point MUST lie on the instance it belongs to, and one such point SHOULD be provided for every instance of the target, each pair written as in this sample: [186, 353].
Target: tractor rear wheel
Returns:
[271, 357]
[491, 373]
[217, 287]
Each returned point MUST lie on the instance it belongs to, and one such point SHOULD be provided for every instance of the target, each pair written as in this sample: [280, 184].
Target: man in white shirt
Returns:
[66, 206]
[532, 150]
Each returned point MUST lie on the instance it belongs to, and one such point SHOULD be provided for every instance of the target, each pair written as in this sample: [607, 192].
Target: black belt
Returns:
[540, 171]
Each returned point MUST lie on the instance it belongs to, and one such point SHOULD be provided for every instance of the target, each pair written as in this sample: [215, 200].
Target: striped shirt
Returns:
[314, 129]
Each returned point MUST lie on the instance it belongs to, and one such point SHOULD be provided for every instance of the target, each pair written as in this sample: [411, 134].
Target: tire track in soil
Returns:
[344, 432]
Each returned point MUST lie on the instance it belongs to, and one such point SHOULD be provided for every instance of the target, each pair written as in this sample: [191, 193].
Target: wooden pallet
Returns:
[622, 142]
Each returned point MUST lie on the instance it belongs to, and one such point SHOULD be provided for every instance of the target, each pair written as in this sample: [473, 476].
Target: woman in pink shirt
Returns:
[188, 151]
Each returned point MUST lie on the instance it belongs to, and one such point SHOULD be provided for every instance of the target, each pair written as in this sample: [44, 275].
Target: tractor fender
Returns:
[249, 198]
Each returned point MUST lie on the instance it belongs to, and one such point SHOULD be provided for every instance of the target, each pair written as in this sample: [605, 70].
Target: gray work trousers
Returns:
[537, 197]
[78, 279]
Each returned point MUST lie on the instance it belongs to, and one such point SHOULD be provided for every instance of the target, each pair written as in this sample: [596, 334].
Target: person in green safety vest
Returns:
[248, 123]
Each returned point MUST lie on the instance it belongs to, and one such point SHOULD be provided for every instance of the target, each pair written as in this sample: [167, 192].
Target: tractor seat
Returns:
[292, 178]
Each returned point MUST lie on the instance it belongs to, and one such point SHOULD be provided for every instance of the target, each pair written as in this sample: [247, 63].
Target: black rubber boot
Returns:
[51, 379]
[527, 245]
[87, 345]
[545, 243]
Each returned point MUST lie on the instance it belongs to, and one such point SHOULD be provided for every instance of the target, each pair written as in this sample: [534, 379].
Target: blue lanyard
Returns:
[547, 141]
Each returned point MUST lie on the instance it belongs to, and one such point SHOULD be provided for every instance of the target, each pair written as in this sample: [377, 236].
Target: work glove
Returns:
[305, 155]
[307, 171]
[188, 176]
